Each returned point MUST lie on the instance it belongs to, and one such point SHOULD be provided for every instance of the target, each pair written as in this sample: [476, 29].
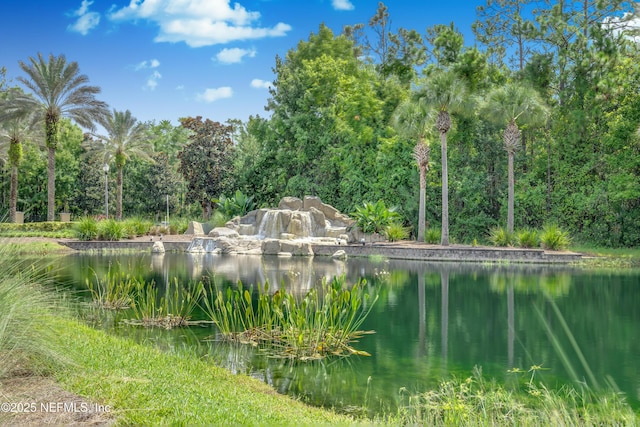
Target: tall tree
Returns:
[13, 132]
[445, 92]
[512, 104]
[205, 163]
[502, 27]
[413, 120]
[125, 137]
[57, 90]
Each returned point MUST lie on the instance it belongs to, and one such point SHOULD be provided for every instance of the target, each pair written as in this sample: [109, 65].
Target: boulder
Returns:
[291, 203]
[195, 228]
[318, 222]
[296, 248]
[224, 232]
[270, 246]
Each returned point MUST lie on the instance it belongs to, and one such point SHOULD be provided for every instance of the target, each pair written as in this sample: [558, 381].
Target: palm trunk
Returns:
[51, 184]
[445, 192]
[13, 194]
[510, 195]
[421, 209]
[119, 195]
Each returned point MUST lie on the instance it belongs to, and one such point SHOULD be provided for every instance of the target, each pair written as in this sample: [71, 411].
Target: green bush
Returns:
[137, 226]
[218, 219]
[111, 229]
[432, 236]
[396, 231]
[179, 225]
[237, 205]
[499, 236]
[528, 238]
[374, 217]
[86, 228]
[36, 227]
[554, 239]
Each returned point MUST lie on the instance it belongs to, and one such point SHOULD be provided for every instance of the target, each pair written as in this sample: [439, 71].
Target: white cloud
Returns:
[213, 94]
[342, 5]
[86, 20]
[153, 63]
[234, 55]
[261, 84]
[152, 81]
[628, 25]
[198, 22]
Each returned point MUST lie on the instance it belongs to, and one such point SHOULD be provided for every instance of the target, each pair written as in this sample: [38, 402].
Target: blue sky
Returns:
[165, 59]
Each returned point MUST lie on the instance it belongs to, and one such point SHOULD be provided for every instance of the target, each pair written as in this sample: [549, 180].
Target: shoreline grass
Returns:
[146, 386]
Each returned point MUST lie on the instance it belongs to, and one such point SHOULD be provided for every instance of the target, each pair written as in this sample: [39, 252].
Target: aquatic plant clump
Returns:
[321, 323]
[171, 310]
[114, 292]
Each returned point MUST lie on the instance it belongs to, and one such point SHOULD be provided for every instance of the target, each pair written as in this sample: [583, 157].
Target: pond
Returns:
[431, 321]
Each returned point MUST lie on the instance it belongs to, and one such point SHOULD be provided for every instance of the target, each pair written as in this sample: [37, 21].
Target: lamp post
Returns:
[105, 168]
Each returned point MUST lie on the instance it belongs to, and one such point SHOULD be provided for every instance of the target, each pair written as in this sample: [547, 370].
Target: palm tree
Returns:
[13, 132]
[510, 104]
[413, 120]
[445, 92]
[58, 90]
[125, 137]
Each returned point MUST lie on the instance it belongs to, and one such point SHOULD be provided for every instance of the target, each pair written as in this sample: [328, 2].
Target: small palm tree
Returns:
[514, 103]
[125, 137]
[12, 134]
[414, 120]
[445, 92]
[59, 90]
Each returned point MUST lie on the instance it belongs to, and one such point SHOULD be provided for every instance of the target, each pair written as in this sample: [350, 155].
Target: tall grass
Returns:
[432, 236]
[26, 341]
[474, 401]
[110, 229]
[171, 310]
[86, 228]
[114, 291]
[554, 238]
[321, 323]
[499, 236]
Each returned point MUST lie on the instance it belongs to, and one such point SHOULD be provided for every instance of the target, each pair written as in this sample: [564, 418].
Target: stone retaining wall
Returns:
[465, 254]
[451, 253]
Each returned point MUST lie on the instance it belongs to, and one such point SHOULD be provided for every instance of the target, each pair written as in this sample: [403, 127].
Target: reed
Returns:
[171, 310]
[114, 291]
[27, 343]
[321, 323]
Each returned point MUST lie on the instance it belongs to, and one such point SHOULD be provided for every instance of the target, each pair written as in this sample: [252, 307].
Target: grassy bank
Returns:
[608, 257]
[145, 386]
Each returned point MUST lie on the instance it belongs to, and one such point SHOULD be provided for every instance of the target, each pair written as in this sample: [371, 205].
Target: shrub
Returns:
[86, 228]
[137, 226]
[111, 229]
[499, 236]
[218, 219]
[432, 236]
[553, 238]
[396, 231]
[374, 217]
[237, 205]
[528, 238]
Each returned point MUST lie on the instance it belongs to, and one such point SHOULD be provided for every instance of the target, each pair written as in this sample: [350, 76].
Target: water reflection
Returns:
[431, 321]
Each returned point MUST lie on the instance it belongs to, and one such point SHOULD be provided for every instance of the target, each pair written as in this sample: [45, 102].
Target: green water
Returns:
[432, 321]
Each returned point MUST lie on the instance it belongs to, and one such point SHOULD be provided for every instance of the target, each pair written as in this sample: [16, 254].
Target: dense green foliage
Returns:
[333, 130]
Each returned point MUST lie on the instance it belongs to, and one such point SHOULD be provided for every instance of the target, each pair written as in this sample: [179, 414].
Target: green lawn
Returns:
[145, 386]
